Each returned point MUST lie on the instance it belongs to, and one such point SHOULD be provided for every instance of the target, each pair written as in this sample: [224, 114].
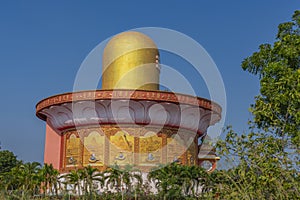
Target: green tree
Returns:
[74, 178]
[130, 175]
[175, 181]
[50, 179]
[91, 176]
[23, 181]
[266, 160]
[113, 178]
[122, 179]
[277, 108]
[28, 176]
[7, 161]
[261, 171]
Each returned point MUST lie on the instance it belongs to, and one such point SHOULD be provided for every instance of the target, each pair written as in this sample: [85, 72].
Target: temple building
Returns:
[129, 120]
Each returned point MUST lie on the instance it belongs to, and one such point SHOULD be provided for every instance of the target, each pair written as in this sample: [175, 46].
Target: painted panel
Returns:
[150, 150]
[121, 148]
[73, 151]
[93, 151]
[175, 150]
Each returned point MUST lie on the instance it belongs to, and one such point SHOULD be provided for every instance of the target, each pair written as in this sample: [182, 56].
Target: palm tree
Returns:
[175, 181]
[29, 173]
[116, 178]
[26, 178]
[8, 180]
[74, 178]
[91, 176]
[129, 176]
[50, 179]
[112, 177]
[159, 177]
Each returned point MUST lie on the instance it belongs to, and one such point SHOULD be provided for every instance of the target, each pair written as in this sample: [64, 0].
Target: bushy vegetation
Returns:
[264, 160]
[173, 181]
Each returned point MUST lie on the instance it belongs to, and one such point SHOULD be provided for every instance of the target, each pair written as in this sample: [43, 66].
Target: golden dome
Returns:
[130, 61]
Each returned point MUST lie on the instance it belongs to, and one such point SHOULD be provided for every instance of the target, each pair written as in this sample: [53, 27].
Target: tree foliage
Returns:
[7, 161]
[261, 170]
[277, 108]
[175, 181]
[266, 159]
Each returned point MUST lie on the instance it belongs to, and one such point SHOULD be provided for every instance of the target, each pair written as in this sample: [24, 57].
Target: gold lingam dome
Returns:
[130, 61]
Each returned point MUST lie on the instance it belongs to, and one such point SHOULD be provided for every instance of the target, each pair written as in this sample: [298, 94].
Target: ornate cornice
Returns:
[153, 108]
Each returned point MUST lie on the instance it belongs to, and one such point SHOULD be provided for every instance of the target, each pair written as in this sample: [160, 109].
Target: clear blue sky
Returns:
[42, 44]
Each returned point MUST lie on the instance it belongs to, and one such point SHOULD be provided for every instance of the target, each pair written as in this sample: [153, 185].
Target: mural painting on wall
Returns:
[192, 154]
[175, 150]
[93, 152]
[121, 148]
[150, 146]
[73, 151]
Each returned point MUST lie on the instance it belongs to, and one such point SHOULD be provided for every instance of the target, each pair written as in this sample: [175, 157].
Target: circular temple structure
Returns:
[125, 123]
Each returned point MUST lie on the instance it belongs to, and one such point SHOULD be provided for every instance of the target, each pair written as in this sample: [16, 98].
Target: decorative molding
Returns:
[127, 94]
[127, 107]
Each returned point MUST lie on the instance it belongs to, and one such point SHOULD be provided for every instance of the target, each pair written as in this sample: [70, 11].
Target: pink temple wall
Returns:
[52, 153]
